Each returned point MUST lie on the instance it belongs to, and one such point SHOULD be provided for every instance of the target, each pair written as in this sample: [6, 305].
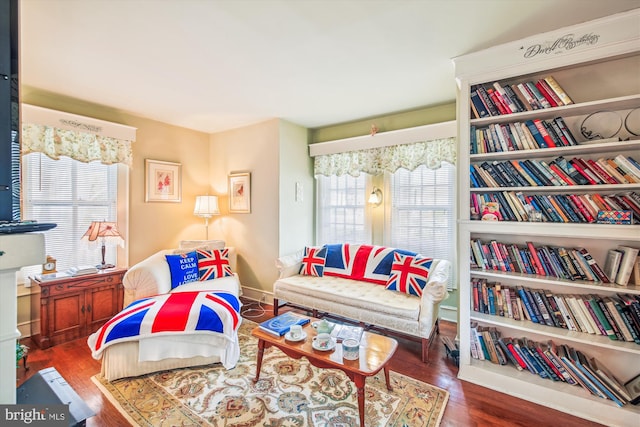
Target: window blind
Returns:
[71, 194]
[341, 210]
[422, 211]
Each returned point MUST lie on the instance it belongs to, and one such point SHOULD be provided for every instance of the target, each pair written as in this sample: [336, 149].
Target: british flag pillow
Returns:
[213, 264]
[313, 261]
[409, 274]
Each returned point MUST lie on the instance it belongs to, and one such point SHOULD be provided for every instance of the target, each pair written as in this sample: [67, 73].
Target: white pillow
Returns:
[202, 244]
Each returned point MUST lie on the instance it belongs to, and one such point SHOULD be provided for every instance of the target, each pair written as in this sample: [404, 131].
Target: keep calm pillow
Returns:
[213, 264]
[409, 274]
[313, 261]
[183, 267]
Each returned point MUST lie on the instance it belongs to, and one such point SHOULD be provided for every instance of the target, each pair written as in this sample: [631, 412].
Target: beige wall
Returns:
[152, 226]
[251, 149]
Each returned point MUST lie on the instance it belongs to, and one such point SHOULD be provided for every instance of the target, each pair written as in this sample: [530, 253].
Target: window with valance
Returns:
[74, 171]
[418, 186]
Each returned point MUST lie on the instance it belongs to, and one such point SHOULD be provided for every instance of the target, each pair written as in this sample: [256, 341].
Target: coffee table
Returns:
[375, 353]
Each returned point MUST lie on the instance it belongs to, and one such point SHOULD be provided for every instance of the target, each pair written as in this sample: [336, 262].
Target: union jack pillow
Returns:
[213, 264]
[409, 274]
[313, 261]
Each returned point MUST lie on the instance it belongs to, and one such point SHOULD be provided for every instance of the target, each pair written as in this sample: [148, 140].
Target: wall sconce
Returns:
[375, 198]
[206, 207]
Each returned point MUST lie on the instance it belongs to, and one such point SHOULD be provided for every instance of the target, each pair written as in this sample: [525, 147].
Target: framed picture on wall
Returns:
[163, 181]
[240, 192]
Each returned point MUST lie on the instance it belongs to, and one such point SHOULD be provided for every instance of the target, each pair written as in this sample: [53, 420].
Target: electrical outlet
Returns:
[263, 298]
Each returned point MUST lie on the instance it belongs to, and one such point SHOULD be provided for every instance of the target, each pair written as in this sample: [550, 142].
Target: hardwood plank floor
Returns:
[469, 404]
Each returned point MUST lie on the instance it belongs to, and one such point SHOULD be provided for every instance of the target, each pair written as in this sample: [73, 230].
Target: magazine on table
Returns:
[342, 332]
[280, 324]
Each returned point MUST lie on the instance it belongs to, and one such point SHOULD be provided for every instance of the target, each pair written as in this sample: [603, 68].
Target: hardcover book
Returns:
[280, 324]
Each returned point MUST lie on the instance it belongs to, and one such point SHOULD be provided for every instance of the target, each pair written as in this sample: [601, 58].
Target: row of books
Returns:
[560, 262]
[617, 317]
[623, 263]
[528, 135]
[560, 363]
[562, 208]
[499, 99]
[558, 172]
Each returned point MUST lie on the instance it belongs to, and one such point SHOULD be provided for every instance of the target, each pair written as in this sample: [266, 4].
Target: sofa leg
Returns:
[438, 326]
[425, 350]
[276, 307]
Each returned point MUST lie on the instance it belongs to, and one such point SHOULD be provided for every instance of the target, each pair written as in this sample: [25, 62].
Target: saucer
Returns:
[288, 337]
[332, 345]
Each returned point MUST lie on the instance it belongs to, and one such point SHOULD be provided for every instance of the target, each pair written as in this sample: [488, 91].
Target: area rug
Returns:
[290, 393]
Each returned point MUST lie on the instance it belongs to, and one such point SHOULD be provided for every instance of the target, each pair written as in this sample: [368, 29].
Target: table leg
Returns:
[359, 380]
[386, 377]
[261, 346]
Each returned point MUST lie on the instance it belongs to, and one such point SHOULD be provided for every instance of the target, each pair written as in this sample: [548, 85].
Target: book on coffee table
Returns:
[343, 332]
[280, 324]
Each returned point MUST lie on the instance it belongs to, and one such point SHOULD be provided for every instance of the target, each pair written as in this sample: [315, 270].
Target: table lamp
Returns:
[206, 207]
[104, 233]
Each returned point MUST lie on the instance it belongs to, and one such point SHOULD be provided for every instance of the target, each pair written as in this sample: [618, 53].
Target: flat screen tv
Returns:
[9, 113]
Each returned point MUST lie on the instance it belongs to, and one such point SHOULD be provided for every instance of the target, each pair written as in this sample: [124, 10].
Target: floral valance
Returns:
[81, 146]
[376, 161]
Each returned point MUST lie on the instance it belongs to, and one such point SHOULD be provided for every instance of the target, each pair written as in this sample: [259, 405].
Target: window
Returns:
[341, 211]
[422, 211]
[71, 194]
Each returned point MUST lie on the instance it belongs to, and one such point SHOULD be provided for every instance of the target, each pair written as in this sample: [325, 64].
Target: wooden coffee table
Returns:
[375, 353]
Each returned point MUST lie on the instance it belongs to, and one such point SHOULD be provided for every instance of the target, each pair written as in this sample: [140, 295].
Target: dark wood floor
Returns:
[469, 404]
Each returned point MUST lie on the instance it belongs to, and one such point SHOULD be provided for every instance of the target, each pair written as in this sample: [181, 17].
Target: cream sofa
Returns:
[367, 303]
[152, 276]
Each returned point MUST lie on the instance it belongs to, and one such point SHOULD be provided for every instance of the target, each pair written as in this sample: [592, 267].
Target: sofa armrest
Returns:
[150, 276]
[435, 290]
[289, 265]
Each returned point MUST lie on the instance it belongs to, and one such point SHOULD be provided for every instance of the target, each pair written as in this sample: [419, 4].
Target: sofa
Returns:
[376, 286]
[151, 277]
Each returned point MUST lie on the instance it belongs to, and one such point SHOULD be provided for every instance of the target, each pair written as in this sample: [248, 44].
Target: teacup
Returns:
[295, 332]
[323, 341]
[350, 349]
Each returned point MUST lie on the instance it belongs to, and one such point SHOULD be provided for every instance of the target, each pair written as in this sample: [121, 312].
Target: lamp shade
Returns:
[103, 232]
[206, 206]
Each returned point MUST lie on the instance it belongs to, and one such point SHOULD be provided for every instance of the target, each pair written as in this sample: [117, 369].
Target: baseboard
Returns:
[448, 313]
[257, 295]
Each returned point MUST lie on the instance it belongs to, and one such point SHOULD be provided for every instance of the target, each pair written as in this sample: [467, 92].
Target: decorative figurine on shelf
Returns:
[491, 211]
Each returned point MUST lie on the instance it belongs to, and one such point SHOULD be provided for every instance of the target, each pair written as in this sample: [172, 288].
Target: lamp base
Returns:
[104, 266]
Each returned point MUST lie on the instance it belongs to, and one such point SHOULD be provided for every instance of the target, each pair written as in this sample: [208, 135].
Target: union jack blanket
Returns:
[367, 263]
[169, 314]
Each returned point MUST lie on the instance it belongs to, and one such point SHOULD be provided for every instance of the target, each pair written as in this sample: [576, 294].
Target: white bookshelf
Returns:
[600, 74]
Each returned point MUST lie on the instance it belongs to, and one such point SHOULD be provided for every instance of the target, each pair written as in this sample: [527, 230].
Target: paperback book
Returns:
[280, 324]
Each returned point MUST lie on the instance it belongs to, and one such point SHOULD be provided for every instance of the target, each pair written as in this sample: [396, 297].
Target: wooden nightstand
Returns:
[73, 307]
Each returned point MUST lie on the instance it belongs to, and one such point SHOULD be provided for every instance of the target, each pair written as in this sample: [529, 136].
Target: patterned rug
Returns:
[290, 393]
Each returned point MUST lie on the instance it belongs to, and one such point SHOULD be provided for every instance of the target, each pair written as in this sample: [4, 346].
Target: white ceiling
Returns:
[213, 65]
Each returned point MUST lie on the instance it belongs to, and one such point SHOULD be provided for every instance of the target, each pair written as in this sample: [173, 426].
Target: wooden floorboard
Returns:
[469, 404]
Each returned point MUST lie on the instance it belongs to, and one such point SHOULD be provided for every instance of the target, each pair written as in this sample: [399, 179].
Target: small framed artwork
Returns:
[163, 181]
[240, 192]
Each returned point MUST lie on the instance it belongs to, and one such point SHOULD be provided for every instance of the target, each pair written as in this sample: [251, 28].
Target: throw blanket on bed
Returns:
[177, 313]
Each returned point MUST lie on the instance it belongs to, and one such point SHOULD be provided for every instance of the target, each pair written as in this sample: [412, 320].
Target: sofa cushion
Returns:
[213, 264]
[313, 261]
[349, 293]
[367, 263]
[409, 274]
[183, 267]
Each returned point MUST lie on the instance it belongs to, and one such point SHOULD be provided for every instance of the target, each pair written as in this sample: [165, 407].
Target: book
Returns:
[628, 260]
[51, 276]
[611, 264]
[343, 332]
[280, 324]
[82, 270]
[557, 89]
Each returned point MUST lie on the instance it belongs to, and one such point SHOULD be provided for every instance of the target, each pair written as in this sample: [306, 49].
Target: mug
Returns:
[323, 341]
[350, 349]
[295, 332]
